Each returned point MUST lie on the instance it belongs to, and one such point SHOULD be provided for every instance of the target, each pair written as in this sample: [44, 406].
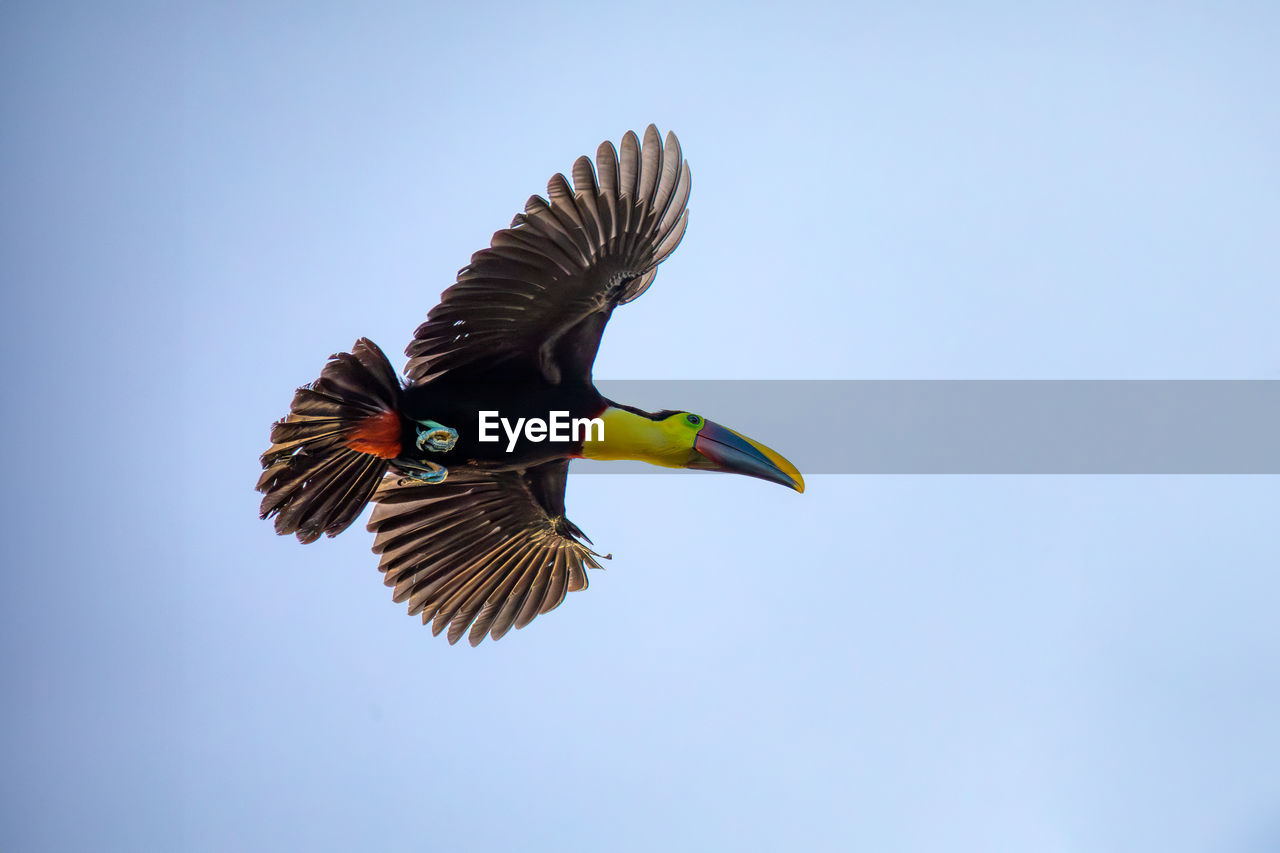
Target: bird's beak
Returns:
[721, 449]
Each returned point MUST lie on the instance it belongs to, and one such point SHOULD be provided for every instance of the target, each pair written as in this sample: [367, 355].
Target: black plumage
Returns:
[489, 548]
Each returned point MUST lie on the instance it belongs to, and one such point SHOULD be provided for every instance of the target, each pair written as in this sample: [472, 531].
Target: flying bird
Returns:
[471, 530]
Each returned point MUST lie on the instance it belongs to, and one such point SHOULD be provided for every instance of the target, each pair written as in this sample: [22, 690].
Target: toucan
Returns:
[469, 516]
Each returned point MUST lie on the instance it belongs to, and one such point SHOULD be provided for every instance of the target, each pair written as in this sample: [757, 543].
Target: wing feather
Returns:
[506, 617]
[580, 252]
[498, 594]
[482, 552]
[585, 195]
[607, 201]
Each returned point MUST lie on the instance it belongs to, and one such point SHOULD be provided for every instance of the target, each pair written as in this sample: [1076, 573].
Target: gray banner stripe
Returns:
[984, 427]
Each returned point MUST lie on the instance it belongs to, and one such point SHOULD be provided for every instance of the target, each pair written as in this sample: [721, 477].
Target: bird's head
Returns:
[685, 440]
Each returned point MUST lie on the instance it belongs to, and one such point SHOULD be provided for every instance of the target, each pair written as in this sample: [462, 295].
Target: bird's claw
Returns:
[436, 438]
[421, 472]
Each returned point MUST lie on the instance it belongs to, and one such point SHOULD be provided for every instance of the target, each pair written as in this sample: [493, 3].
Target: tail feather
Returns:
[329, 454]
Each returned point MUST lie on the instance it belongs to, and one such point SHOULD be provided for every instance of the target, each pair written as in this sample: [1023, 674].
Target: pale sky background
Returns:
[200, 205]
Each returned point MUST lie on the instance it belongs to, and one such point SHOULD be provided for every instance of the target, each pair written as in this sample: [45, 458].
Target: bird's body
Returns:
[467, 461]
[459, 405]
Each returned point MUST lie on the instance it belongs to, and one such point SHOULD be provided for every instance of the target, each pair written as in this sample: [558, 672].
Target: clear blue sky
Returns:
[200, 205]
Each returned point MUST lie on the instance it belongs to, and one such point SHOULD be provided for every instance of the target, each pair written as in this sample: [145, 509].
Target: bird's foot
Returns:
[436, 438]
[421, 472]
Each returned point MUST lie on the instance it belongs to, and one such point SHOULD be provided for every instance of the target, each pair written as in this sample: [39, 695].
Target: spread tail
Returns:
[330, 453]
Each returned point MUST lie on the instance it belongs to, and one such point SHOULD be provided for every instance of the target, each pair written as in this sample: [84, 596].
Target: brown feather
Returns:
[582, 251]
[328, 455]
[481, 552]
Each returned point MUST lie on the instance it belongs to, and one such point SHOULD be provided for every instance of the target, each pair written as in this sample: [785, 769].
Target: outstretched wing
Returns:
[539, 297]
[482, 550]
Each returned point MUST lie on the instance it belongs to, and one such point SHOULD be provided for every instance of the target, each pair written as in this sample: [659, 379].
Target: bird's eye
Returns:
[693, 419]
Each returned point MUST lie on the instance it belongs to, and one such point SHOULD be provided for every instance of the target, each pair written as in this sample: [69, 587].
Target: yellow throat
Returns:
[668, 442]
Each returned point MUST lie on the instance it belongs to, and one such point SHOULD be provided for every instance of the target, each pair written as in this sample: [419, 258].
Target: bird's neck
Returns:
[630, 436]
